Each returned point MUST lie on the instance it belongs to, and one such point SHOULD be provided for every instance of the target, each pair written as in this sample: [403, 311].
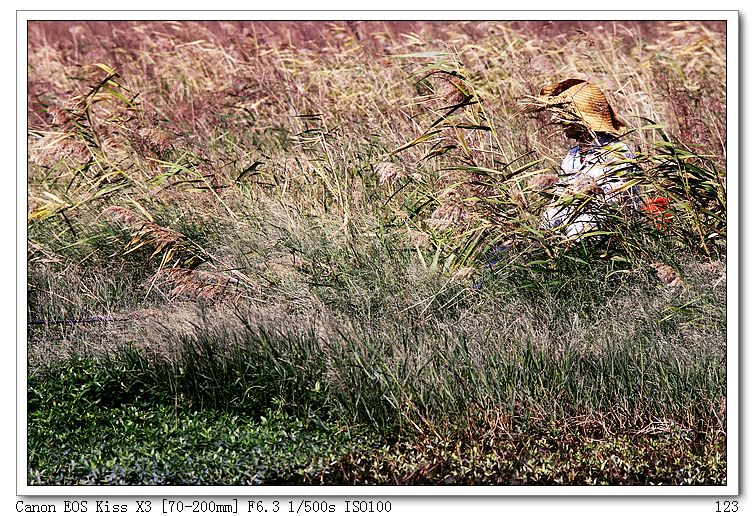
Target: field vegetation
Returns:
[311, 253]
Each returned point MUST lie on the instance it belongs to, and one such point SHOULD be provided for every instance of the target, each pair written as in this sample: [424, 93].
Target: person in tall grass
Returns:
[594, 173]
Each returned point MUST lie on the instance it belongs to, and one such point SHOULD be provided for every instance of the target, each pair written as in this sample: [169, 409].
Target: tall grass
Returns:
[433, 357]
[432, 375]
[341, 222]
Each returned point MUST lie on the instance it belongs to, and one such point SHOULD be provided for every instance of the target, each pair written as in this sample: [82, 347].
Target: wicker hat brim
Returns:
[583, 100]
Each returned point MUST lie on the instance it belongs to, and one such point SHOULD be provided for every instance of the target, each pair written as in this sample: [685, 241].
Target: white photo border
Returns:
[733, 286]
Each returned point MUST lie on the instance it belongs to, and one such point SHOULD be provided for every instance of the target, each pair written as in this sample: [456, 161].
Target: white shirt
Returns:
[600, 166]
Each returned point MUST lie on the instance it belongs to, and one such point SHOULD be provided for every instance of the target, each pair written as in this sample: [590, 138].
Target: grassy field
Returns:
[310, 253]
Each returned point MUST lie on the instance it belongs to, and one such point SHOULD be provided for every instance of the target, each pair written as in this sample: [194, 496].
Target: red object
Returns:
[657, 210]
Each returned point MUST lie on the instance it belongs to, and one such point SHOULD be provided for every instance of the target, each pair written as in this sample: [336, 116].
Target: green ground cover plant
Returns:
[311, 253]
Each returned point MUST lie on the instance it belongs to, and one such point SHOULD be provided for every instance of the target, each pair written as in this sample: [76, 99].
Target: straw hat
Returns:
[584, 101]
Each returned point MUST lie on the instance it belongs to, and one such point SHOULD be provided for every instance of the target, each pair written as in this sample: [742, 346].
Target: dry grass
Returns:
[366, 196]
[200, 140]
